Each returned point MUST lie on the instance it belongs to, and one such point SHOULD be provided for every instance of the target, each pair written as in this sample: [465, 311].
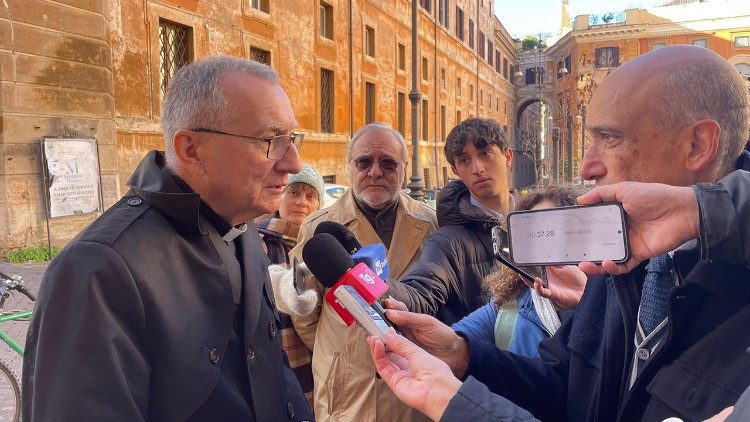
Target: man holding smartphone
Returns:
[651, 342]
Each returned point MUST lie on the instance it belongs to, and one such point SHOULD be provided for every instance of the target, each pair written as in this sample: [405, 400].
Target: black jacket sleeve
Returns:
[538, 385]
[428, 284]
[725, 219]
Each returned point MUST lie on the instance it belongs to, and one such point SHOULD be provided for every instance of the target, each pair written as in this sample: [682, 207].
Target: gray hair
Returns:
[703, 90]
[193, 98]
[379, 127]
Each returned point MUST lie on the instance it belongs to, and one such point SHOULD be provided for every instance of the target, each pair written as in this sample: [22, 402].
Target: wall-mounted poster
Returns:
[73, 176]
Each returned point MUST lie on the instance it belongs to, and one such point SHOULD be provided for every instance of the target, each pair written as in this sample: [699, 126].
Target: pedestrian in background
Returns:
[376, 211]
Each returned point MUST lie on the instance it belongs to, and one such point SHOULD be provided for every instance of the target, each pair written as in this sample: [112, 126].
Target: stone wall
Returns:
[56, 81]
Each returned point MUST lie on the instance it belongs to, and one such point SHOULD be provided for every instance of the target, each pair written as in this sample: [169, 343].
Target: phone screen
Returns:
[501, 249]
[568, 235]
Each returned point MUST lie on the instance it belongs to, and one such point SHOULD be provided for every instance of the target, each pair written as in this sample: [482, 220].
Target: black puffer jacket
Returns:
[447, 279]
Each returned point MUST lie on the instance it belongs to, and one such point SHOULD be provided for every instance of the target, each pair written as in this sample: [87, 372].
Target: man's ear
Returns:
[186, 150]
[704, 145]
[508, 157]
[453, 169]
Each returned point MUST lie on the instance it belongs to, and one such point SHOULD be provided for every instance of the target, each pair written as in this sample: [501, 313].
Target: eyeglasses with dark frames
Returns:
[277, 145]
[364, 164]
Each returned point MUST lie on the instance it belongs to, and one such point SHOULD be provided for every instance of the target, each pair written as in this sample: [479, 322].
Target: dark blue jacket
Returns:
[584, 369]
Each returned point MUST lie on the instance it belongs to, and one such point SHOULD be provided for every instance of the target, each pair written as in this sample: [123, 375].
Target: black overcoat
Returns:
[134, 317]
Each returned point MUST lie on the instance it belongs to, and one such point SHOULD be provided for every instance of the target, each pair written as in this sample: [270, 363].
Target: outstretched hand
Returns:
[418, 379]
[659, 218]
[430, 334]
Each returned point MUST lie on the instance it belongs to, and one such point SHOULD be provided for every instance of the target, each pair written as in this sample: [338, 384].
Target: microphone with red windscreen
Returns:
[333, 266]
[374, 256]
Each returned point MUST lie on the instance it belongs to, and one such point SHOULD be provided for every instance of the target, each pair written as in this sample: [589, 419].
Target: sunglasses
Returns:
[364, 164]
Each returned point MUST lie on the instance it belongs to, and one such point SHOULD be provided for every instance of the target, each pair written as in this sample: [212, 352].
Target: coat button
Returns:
[250, 353]
[290, 410]
[213, 355]
[134, 202]
[271, 329]
[643, 354]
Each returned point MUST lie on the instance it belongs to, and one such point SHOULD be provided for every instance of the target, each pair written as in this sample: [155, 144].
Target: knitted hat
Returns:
[311, 177]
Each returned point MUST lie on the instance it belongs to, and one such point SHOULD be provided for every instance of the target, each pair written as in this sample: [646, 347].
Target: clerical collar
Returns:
[226, 230]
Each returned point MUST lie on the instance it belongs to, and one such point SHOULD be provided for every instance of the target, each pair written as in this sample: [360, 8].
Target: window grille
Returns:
[401, 113]
[607, 57]
[174, 50]
[326, 101]
[260, 55]
[425, 121]
[369, 102]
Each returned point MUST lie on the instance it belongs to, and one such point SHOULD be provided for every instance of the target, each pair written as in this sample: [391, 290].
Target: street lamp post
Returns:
[569, 147]
[416, 185]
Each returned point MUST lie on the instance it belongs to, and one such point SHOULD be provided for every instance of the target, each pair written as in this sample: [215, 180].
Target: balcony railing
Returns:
[608, 18]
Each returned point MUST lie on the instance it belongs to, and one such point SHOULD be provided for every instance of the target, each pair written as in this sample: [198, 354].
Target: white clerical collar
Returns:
[234, 232]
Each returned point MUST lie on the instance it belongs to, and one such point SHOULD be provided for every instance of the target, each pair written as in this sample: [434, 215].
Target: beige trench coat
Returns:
[346, 388]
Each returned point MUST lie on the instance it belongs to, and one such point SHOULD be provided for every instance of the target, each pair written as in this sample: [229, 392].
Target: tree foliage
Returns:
[538, 41]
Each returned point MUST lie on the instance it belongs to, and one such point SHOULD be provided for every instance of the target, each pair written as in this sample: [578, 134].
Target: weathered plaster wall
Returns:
[56, 81]
[90, 68]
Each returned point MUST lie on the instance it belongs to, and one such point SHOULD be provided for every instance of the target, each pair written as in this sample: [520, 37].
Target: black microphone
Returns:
[374, 256]
[345, 237]
[332, 265]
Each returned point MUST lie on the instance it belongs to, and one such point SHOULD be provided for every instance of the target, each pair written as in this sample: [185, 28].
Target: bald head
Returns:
[679, 85]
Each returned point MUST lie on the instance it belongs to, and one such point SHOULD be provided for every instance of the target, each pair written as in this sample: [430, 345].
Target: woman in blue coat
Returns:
[518, 317]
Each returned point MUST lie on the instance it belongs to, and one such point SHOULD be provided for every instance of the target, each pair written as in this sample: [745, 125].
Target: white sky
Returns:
[529, 17]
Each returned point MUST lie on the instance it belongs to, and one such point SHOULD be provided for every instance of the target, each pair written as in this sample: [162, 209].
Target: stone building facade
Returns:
[56, 80]
[97, 69]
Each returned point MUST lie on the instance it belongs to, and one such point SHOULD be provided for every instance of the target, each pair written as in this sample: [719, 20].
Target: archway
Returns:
[530, 142]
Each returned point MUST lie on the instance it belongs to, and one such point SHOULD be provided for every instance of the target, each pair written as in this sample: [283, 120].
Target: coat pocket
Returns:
[335, 383]
[689, 394]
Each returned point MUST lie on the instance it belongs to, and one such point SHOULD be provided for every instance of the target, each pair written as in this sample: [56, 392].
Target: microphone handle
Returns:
[381, 311]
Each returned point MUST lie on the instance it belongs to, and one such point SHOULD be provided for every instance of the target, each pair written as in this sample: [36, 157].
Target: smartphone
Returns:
[569, 235]
[366, 316]
[501, 250]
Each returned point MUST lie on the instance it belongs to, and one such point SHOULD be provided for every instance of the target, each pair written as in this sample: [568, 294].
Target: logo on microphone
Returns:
[367, 276]
[380, 265]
